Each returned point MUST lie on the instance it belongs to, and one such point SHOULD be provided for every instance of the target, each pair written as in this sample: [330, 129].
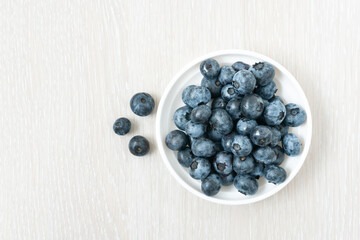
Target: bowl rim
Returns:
[159, 139]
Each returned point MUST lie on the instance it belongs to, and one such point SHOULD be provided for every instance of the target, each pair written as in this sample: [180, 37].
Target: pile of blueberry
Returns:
[142, 104]
[232, 125]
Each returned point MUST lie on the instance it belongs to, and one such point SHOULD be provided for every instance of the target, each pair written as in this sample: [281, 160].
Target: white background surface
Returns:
[68, 70]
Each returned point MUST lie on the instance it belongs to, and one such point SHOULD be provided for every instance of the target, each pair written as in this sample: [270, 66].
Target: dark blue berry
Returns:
[264, 72]
[223, 163]
[258, 170]
[226, 141]
[195, 130]
[276, 136]
[213, 134]
[242, 165]
[267, 91]
[274, 113]
[252, 106]
[211, 185]
[227, 180]
[176, 140]
[240, 65]
[246, 184]
[122, 126]
[203, 147]
[241, 146]
[142, 104]
[221, 121]
[244, 82]
[226, 75]
[218, 103]
[291, 144]
[233, 107]
[185, 157]
[194, 96]
[265, 155]
[228, 92]
[245, 126]
[213, 85]
[275, 174]
[139, 146]
[261, 136]
[210, 68]
[182, 116]
[200, 114]
[295, 115]
[280, 156]
[200, 168]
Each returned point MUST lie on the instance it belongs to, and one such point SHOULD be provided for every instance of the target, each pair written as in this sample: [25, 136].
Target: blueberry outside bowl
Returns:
[289, 90]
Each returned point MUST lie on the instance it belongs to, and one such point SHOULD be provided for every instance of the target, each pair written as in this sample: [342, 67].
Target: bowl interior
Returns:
[288, 89]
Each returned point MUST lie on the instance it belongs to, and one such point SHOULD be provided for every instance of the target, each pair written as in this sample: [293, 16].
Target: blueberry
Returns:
[223, 163]
[185, 157]
[203, 147]
[276, 98]
[244, 82]
[264, 72]
[283, 129]
[221, 122]
[199, 168]
[258, 170]
[226, 141]
[265, 155]
[291, 144]
[213, 85]
[245, 126]
[122, 126]
[242, 165]
[218, 103]
[252, 106]
[228, 92]
[274, 113]
[267, 91]
[195, 130]
[276, 137]
[200, 114]
[240, 65]
[182, 116]
[227, 180]
[241, 146]
[280, 157]
[295, 115]
[246, 184]
[210, 68]
[176, 140]
[275, 174]
[142, 104]
[211, 185]
[214, 135]
[261, 136]
[233, 107]
[139, 146]
[226, 75]
[196, 96]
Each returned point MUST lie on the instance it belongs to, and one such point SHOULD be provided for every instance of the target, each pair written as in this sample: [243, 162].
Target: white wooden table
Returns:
[68, 70]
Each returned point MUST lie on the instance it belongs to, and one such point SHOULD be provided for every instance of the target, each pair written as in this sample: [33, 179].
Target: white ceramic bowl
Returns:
[289, 90]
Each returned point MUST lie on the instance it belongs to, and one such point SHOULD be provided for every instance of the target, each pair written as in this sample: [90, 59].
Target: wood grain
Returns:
[68, 70]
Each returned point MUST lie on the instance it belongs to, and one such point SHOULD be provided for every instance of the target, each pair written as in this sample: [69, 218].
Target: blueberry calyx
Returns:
[194, 165]
[259, 66]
